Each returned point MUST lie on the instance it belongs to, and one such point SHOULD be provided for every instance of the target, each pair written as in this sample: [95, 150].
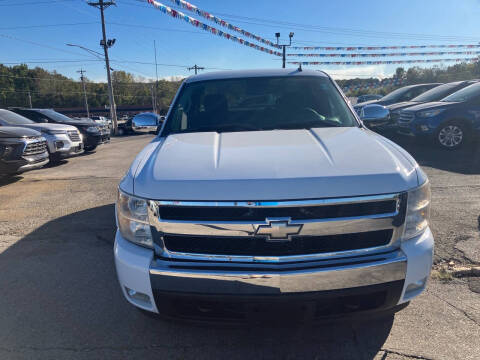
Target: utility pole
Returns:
[155, 107]
[153, 98]
[81, 71]
[284, 47]
[30, 100]
[107, 44]
[196, 68]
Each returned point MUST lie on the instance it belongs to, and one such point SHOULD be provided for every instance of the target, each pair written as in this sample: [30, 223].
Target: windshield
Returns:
[465, 94]
[57, 116]
[396, 94]
[12, 118]
[251, 104]
[437, 93]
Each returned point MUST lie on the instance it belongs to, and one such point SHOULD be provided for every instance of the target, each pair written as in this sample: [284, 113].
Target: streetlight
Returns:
[109, 43]
[290, 36]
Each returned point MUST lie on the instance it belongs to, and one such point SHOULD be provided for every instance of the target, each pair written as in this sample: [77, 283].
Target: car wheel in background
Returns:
[55, 158]
[90, 148]
[452, 135]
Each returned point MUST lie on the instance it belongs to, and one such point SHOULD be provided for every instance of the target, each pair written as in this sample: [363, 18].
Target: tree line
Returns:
[49, 89]
[416, 75]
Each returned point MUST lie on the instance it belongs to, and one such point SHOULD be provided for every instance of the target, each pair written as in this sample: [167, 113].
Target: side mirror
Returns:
[375, 115]
[145, 124]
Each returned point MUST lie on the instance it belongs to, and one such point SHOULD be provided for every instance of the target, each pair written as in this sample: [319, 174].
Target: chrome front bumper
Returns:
[262, 280]
[139, 270]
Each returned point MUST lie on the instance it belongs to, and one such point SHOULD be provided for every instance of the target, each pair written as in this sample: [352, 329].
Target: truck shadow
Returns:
[60, 292]
[463, 161]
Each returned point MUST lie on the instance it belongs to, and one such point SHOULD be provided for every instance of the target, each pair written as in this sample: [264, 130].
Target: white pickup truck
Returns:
[263, 190]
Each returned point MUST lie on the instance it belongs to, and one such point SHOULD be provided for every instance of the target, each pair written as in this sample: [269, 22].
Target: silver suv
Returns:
[62, 140]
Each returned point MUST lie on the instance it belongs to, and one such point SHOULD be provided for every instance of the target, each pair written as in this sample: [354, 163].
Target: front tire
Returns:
[452, 135]
[90, 148]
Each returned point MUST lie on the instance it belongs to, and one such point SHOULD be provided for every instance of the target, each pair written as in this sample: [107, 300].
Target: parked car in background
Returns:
[368, 97]
[62, 140]
[146, 122]
[92, 133]
[21, 149]
[435, 94]
[102, 120]
[450, 122]
[238, 206]
[405, 93]
[124, 125]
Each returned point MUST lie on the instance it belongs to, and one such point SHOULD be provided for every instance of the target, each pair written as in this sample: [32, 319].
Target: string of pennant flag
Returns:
[381, 62]
[367, 48]
[221, 22]
[390, 54]
[192, 21]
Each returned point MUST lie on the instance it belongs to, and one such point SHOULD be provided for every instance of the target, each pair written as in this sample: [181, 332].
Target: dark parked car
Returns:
[405, 93]
[435, 94]
[450, 122]
[368, 97]
[21, 149]
[92, 133]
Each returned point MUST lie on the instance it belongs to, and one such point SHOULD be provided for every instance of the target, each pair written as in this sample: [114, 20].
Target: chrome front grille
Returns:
[280, 231]
[73, 135]
[406, 116]
[35, 147]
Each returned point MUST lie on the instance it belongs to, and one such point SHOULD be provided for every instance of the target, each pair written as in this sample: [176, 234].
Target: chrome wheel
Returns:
[450, 136]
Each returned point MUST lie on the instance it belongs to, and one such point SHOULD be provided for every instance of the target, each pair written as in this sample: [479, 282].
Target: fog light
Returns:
[58, 144]
[136, 296]
[424, 127]
[415, 288]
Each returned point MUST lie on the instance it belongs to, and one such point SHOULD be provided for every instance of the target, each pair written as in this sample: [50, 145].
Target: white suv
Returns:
[263, 189]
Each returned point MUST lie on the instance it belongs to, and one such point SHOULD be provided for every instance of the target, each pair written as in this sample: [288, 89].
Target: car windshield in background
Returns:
[396, 94]
[465, 94]
[251, 104]
[12, 118]
[436, 93]
[57, 116]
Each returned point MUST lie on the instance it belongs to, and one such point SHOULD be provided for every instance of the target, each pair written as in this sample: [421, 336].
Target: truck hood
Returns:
[49, 126]
[271, 165]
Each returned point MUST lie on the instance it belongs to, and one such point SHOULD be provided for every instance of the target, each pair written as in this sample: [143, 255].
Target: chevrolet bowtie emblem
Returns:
[278, 230]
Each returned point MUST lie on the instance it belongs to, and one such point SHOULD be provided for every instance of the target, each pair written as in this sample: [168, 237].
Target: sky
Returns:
[37, 32]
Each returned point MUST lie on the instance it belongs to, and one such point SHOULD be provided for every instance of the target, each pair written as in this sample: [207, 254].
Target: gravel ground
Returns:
[61, 300]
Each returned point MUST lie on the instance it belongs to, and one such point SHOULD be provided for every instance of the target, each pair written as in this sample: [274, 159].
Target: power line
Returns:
[38, 44]
[34, 3]
[47, 62]
[46, 26]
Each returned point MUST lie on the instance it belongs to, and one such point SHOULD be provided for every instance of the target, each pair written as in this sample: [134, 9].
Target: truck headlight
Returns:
[418, 211]
[132, 219]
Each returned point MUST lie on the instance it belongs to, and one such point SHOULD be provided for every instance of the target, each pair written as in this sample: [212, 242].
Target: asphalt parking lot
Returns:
[60, 298]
